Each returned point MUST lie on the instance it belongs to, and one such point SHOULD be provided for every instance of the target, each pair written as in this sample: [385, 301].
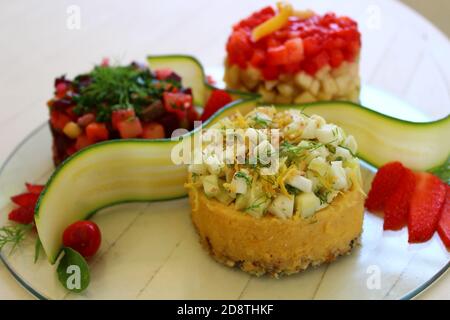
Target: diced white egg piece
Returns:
[214, 164]
[262, 117]
[339, 175]
[300, 182]
[240, 182]
[350, 143]
[303, 80]
[319, 165]
[343, 153]
[282, 206]
[264, 150]
[309, 132]
[320, 122]
[211, 185]
[306, 204]
[198, 168]
[321, 152]
[326, 134]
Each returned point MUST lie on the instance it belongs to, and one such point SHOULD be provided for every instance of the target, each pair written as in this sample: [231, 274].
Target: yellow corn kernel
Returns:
[72, 130]
[273, 24]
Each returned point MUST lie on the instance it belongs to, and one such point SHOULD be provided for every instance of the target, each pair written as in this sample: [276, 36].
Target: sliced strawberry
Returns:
[24, 215]
[26, 199]
[34, 188]
[384, 184]
[397, 205]
[425, 208]
[444, 223]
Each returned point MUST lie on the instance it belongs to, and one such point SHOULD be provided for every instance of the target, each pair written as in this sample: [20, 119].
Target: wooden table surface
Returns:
[403, 54]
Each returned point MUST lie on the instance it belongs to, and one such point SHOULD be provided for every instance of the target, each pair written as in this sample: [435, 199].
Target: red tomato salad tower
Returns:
[291, 56]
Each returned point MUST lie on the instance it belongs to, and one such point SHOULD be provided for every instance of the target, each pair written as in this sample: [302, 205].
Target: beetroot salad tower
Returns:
[291, 56]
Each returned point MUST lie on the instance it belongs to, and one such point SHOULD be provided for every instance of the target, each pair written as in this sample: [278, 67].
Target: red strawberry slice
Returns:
[34, 188]
[23, 215]
[397, 205]
[26, 199]
[444, 222]
[425, 208]
[384, 184]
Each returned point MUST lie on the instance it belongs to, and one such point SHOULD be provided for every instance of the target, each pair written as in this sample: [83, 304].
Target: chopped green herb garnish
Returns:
[13, 235]
[243, 175]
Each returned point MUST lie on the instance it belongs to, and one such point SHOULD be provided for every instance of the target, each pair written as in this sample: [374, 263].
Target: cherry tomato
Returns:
[84, 237]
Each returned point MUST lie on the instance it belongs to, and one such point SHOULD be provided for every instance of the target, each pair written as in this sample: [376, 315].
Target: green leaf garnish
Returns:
[443, 171]
[244, 176]
[73, 271]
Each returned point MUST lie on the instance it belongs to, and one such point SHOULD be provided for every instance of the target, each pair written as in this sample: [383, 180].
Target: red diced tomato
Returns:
[25, 199]
[97, 132]
[59, 120]
[336, 58]
[321, 60]
[131, 128]
[311, 46]
[34, 188]
[277, 56]
[153, 130]
[23, 215]
[121, 115]
[258, 58]
[217, 100]
[294, 49]
[270, 72]
[177, 103]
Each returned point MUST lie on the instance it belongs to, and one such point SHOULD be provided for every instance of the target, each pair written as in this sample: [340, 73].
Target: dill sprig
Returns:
[13, 235]
[118, 87]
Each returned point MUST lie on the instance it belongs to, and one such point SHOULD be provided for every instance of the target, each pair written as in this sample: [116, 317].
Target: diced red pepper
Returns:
[153, 130]
[96, 132]
[25, 199]
[121, 115]
[131, 128]
[23, 215]
[217, 100]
